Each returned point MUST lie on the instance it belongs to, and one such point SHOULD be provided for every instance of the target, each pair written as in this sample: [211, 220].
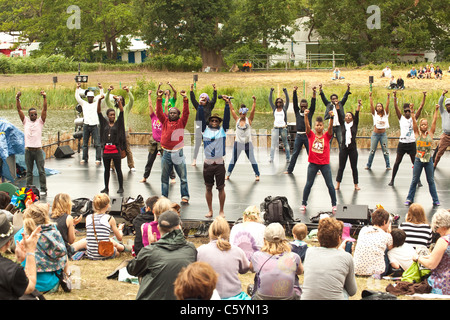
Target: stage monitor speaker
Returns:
[116, 205]
[64, 152]
[354, 214]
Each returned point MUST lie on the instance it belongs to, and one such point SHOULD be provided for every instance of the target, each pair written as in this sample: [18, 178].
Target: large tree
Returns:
[405, 25]
[210, 26]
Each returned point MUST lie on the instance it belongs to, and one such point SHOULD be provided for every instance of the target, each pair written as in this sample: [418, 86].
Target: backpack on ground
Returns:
[131, 207]
[276, 209]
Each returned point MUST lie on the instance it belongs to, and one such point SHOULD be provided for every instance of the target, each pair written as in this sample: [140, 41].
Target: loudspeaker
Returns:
[354, 214]
[64, 152]
[370, 79]
[116, 205]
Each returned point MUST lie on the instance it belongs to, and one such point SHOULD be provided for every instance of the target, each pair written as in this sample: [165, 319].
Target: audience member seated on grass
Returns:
[50, 254]
[386, 72]
[412, 73]
[392, 83]
[329, 270]
[337, 75]
[299, 233]
[145, 216]
[370, 253]
[422, 73]
[418, 231]
[249, 235]
[197, 281]
[61, 216]
[159, 264]
[150, 232]
[400, 83]
[15, 280]
[276, 267]
[226, 259]
[401, 255]
[104, 224]
[439, 259]
[438, 73]
[448, 69]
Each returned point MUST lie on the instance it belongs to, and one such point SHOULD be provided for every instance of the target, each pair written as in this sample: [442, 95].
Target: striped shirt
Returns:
[417, 234]
[103, 230]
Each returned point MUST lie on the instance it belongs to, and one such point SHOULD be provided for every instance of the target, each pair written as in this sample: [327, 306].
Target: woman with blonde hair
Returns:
[226, 259]
[61, 216]
[439, 259]
[50, 254]
[104, 224]
[150, 232]
[249, 235]
[276, 267]
[418, 231]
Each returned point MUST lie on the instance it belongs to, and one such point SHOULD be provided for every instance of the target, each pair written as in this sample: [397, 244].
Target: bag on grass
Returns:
[415, 273]
[131, 207]
[276, 209]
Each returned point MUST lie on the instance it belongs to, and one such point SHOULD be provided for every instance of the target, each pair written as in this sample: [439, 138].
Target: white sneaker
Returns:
[133, 169]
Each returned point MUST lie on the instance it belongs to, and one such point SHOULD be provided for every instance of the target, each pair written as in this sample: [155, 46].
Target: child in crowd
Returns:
[299, 232]
[401, 255]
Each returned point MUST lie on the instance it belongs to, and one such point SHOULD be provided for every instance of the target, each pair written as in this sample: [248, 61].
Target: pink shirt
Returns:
[156, 127]
[33, 132]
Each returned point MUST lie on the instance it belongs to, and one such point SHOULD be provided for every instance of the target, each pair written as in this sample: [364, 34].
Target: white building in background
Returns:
[137, 52]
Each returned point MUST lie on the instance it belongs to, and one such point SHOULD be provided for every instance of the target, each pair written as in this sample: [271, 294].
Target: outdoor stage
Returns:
[84, 181]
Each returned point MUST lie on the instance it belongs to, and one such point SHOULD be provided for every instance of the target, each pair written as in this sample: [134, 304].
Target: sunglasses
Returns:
[214, 120]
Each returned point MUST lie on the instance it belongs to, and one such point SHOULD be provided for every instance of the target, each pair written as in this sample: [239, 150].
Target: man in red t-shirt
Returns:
[319, 158]
[172, 142]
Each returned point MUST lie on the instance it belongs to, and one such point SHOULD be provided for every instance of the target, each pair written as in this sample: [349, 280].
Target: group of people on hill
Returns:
[426, 72]
[171, 267]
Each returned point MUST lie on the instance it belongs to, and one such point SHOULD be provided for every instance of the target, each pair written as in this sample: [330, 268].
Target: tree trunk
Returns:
[212, 59]
[108, 47]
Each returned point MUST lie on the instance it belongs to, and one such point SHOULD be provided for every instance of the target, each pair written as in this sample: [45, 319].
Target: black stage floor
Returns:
[84, 181]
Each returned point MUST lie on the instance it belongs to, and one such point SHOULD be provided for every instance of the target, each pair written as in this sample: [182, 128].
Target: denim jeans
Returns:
[374, 140]
[169, 161]
[429, 171]
[325, 169]
[300, 140]
[337, 132]
[237, 149]
[276, 132]
[91, 131]
[32, 156]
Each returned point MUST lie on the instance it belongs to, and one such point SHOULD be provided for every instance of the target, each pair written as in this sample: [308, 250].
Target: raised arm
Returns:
[271, 99]
[415, 127]
[307, 125]
[130, 102]
[159, 109]
[322, 95]
[397, 110]
[19, 106]
[422, 104]
[226, 116]
[346, 94]
[252, 112]
[193, 99]
[185, 114]
[433, 123]
[150, 104]
[441, 101]
[330, 124]
[295, 100]
[99, 104]
[44, 107]
[214, 97]
[107, 98]
[233, 112]
[173, 89]
[387, 102]
[286, 95]
[372, 109]
[312, 107]
[77, 94]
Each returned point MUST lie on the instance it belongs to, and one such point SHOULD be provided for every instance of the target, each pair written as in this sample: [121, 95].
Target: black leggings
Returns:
[117, 165]
[352, 154]
[402, 149]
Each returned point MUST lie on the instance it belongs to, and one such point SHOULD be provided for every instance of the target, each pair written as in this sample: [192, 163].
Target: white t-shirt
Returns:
[381, 122]
[244, 133]
[279, 119]
[406, 130]
[402, 255]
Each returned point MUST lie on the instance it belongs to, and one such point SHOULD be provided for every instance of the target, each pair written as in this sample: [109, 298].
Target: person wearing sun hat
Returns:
[214, 142]
[276, 267]
[15, 281]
